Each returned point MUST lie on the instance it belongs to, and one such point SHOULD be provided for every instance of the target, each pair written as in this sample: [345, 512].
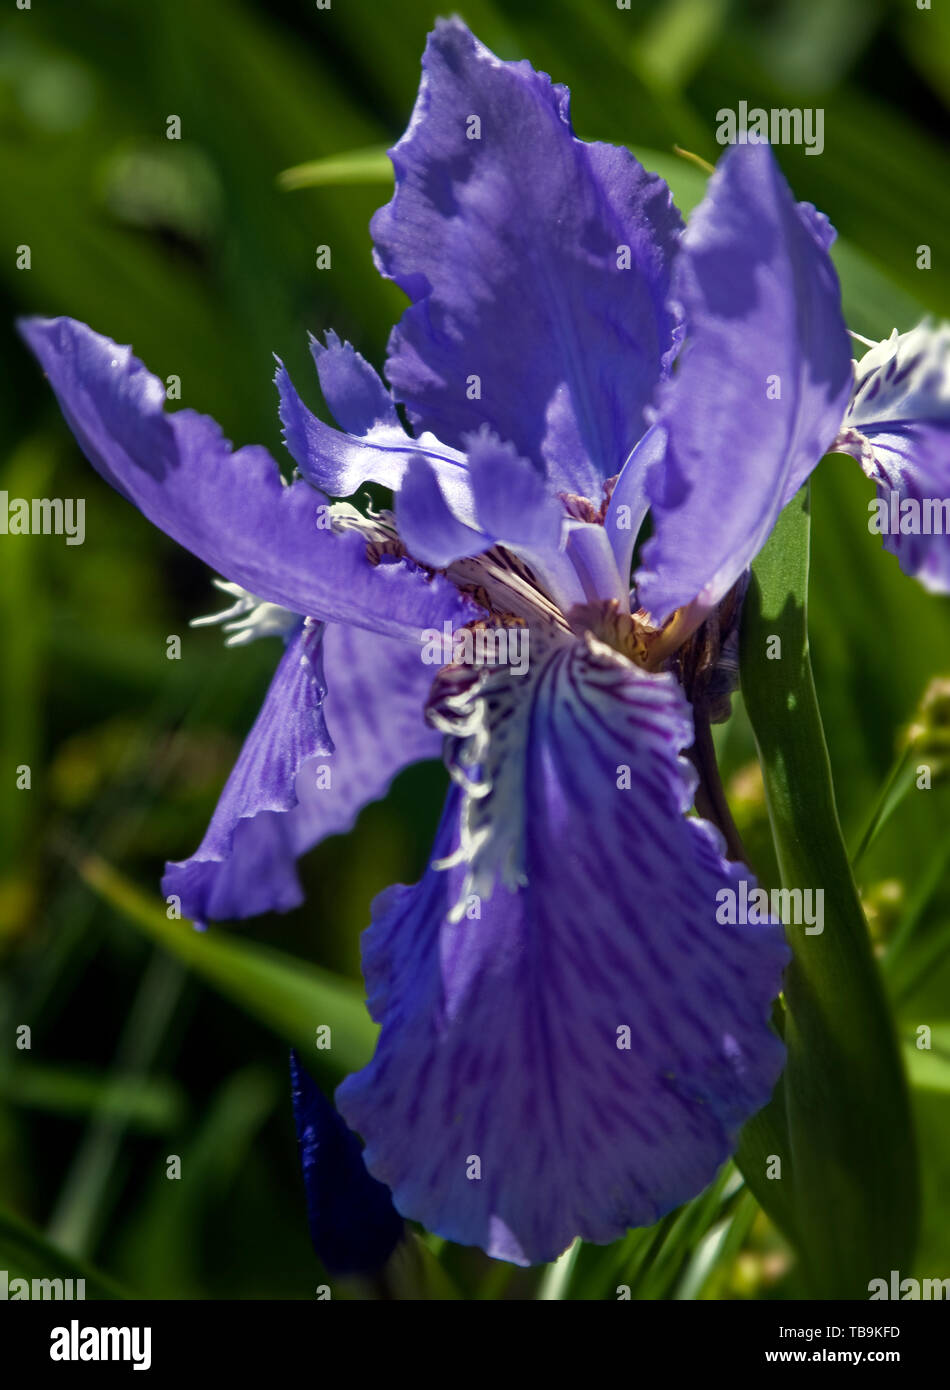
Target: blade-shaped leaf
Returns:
[26, 1254]
[851, 1162]
[289, 995]
[357, 166]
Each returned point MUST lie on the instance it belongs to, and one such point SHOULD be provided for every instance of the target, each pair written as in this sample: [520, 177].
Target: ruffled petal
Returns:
[375, 715]
[537, 265]
[335, 462]
[339, 721]
[762, 387]
[354, 1226]
[898, 428]
[355, 393]
[246, 864]
[232, 510]
[570, 1040]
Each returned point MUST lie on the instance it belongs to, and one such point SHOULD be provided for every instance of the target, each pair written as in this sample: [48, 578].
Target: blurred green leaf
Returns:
[358, 166]
[676, 39]
[26, 1254]
[715, 1252]
[27, 473]
[929, 1068]
[146, 1103]
[898, 783]
[291, 996]
[765, 1135]
[161, 1239]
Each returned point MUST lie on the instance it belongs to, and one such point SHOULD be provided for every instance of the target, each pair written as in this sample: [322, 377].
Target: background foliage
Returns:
[142, 1045]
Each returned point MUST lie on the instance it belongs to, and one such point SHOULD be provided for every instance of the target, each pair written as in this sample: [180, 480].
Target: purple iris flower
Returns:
[570, 1039]
[898, 428]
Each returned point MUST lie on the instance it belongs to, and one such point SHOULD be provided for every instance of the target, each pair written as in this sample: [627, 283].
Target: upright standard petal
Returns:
[569, 1040]
[341, 718]
[354, 1226]
[759, 394]
[898, 428]
[232, 510]
[537, 265]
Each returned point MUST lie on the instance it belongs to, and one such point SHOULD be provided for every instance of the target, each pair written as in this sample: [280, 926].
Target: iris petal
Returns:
[232, 510]
[351, 388]
[898, 428]
[537, 264]
[575, 1055]
[339, 721]
[378, 450]
[761, 390]
[512, 505]
[244, 864]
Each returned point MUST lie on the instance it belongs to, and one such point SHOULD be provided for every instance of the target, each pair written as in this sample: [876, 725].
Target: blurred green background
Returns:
[190, 251]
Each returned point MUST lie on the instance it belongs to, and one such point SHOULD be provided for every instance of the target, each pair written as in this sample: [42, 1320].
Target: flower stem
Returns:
[710, 798]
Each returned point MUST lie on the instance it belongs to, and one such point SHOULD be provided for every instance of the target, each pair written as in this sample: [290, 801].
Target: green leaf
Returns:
[151, 1104]
[912, 956]
[160, 1236]
[851, 1160]
[556, 1280]
[358, 166]
[289, 995]
[716, 1252]
[899, 782]
[929, 1068]
[676, 40]
[650, 1261]
[765, 1135]
[26, 1254]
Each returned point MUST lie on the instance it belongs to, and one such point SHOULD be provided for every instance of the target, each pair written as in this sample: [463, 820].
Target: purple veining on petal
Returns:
[503, 1025]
